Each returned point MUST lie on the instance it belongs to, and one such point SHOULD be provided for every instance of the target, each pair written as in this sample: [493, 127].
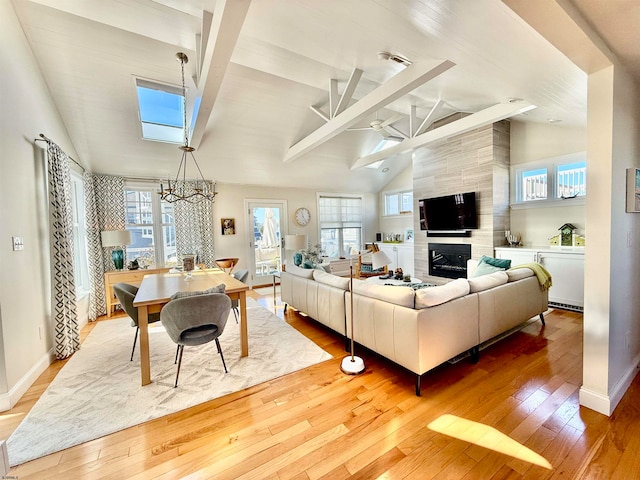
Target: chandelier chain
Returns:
[180, 191]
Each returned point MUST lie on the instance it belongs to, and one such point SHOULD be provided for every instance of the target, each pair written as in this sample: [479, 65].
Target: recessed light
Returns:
[385, 169]
[553, 120]
[514, 99]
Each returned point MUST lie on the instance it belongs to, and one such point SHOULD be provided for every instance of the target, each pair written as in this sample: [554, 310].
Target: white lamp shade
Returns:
[379, 259]
[115, 238]
[295, 242]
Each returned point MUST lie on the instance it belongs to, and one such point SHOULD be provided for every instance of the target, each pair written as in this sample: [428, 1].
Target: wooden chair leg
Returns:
[221, 356]
[180, 349]
[135, 339]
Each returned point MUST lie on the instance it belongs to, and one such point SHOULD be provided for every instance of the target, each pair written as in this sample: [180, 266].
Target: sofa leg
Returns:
[542, 319]
[418, 384]
[285, 308]
[474, 352]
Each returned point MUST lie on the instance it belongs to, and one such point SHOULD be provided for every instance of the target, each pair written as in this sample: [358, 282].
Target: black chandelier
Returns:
[180, 190]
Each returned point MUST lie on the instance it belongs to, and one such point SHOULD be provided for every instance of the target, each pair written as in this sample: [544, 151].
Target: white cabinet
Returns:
[566, 266]
[401, 255]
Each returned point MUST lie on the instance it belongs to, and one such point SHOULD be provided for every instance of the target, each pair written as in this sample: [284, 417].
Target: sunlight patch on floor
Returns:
[487, 437]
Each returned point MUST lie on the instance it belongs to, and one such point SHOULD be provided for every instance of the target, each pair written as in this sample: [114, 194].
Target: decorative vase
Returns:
[297, 259]
[118, 258]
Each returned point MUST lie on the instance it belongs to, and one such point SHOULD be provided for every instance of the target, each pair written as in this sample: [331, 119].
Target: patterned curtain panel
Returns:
[67, 332]
[194, 229]
[104, 197]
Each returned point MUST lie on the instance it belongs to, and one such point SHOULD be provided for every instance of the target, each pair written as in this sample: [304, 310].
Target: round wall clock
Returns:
[302, 216]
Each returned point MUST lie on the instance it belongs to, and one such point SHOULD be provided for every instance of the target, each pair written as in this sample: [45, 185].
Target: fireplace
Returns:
[448, 260]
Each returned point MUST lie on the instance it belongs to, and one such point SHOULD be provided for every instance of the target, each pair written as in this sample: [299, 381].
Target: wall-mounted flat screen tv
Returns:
[451, 212]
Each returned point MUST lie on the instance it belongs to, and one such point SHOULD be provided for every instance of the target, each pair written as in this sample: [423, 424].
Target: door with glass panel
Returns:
[267, 222]
[150, 221]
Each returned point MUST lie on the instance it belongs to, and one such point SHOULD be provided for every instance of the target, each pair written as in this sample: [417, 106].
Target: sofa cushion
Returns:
[519, 274]
[300, 272]
[217, 289]
[321, 276]
[430, 297]
[485, 282]
[485, 269]
[503, 263]
[403, 296]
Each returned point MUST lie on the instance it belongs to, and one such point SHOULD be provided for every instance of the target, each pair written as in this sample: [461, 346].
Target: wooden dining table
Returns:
[156, 290]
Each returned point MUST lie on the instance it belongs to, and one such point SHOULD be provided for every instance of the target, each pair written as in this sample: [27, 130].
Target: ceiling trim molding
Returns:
[221, 39]
[396, 87]
[489, 115]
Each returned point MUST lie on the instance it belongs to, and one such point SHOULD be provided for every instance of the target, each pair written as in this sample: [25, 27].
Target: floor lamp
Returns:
[351, 364]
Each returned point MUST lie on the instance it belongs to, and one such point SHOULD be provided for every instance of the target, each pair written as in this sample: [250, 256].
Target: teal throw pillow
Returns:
[485, 269]
[504, 264]
[217, 289]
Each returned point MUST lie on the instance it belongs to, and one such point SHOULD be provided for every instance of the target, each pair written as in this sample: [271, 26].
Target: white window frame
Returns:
[340, 236]
[81, 259]
[385, 202]
[551, 165]
[156, 218]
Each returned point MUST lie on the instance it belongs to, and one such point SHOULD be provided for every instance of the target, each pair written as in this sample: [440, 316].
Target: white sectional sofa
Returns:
[419, 329]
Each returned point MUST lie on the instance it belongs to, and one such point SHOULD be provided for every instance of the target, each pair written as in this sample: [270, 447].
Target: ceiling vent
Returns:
[394, 58]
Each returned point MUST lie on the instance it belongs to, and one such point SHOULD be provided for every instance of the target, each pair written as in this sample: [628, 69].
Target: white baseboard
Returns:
[8, 400]
[606, 404]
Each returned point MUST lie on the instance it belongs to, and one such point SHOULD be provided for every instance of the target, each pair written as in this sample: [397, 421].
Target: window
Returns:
[340, 224]
[550, 180]
[81, 264]
[161, 111]
[397, 203]
[153, 234]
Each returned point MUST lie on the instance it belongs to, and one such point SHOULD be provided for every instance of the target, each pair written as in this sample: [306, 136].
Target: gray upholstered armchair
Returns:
[126, 293]
[242, 276]
[196, 320]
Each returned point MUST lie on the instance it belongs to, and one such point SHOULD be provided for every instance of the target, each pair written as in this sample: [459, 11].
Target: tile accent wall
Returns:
[474, 161]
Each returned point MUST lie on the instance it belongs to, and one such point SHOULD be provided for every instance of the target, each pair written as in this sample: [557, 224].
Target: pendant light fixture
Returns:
[203, 190]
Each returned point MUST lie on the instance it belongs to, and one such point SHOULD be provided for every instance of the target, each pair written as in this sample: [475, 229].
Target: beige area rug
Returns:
[267, 290]
[98, 391]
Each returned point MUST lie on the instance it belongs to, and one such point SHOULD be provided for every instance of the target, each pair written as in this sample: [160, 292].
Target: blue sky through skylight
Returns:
[161, 113]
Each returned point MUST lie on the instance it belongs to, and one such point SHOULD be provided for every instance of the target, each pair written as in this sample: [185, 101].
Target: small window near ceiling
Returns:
[571, 180]
[544, 182]
[161, 111]
[398, 203]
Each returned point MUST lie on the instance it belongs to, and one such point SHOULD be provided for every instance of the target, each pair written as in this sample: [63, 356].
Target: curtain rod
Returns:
[48, 140]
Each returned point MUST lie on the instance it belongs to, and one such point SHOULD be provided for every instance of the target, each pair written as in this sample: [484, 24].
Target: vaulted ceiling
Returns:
[260, 65]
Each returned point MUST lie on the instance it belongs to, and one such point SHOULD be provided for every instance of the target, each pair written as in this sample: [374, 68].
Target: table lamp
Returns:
[295, 242]
[351, 364]
[116, 238]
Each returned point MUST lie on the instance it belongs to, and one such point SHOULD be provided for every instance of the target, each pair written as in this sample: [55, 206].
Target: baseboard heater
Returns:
[566, 306]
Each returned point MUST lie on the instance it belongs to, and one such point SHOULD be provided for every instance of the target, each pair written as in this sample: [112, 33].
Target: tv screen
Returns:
[451, 212]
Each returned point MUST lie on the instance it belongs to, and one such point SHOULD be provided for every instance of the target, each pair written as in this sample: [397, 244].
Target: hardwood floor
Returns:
[503, 418]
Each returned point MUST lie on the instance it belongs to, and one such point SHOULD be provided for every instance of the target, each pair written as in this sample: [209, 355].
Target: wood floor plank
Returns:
[319, 423]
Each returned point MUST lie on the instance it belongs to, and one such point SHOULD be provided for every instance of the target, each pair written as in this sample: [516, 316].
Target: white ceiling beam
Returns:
[333, 96]
[320, 113]
[396, 87]
[347, 95]
[227, 21]
[489, 115]
[395, 130]
[429, 119]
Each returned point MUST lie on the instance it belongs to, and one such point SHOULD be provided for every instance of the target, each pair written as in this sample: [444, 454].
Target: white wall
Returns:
[396, 223]
[530, 142]
[26, 110]
[612, 306]
[230, 204]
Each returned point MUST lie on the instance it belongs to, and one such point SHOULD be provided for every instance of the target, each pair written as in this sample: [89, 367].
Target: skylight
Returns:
[386, 143]
[160, 111]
